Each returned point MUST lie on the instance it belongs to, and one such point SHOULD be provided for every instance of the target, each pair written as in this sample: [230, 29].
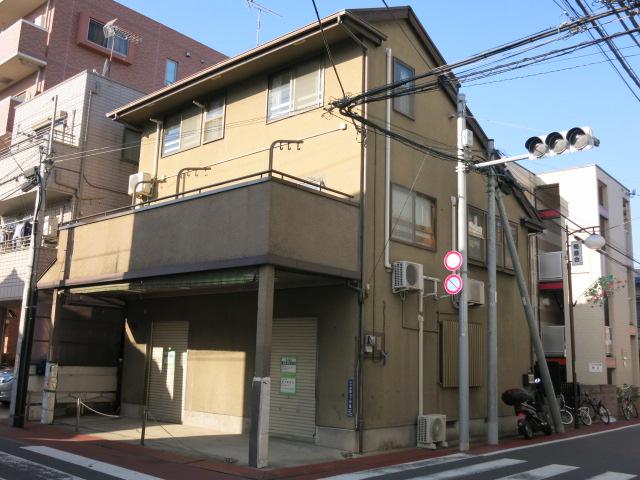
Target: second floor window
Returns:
[213, 120]
[412, 217]
[131, 146]
[182, 131]
[95, 35]
[170, 72]
[295, 89]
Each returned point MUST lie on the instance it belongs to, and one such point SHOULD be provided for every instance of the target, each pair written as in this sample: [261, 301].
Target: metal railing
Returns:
[268, 174]
[15, 244]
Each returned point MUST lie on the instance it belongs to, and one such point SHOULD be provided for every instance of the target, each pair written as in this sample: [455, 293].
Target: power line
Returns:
[326, 46]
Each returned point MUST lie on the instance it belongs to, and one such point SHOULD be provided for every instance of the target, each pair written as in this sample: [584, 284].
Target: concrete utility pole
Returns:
[531, 321]
[463, 321]
[19, 393]
[492, 313]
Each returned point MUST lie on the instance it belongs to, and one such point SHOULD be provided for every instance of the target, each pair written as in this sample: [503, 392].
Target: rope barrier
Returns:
[96, 411]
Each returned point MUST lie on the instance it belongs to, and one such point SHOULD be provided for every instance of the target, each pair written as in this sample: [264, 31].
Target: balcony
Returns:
[14, 258]
[7, 112]
[243, 222]
[22, 52]
[13, 10]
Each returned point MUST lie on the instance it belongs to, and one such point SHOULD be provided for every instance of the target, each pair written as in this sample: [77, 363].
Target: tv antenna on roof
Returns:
[259, 9]
[112, 32]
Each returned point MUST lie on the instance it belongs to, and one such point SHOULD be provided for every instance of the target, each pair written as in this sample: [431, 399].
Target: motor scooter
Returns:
[529, 413]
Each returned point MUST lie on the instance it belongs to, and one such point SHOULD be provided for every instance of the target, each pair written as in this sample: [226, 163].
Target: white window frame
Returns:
[180, 147]
[292, 108]
[204, 119]
[483, 215]
[411, 204]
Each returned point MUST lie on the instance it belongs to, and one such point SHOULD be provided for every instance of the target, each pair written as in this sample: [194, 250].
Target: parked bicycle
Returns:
[627, 406]
[567, 413]
[596, 409]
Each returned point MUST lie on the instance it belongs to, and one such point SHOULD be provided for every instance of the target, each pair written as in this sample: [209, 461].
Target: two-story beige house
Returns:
[255, 253]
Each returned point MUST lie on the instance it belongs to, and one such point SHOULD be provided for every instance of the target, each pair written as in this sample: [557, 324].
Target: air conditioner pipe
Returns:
[387, 165]
[420, 352]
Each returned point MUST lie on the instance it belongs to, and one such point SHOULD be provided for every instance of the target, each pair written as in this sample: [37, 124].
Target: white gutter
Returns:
[156, 153]
[387, 166]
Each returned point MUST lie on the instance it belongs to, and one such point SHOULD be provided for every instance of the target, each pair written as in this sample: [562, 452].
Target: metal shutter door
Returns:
[168, 371]
[294, 415]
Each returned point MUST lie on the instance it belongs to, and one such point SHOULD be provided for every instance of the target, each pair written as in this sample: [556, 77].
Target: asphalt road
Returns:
[32, 462]
[612, 455]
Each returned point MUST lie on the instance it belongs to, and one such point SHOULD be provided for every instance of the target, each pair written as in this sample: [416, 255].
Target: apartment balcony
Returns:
[14, 258]
[7, 112]
[22, 52]
[550, 270]
[239, 223]
[13, 10]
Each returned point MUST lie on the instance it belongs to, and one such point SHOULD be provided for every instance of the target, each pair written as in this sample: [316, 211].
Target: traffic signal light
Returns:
[557, 143]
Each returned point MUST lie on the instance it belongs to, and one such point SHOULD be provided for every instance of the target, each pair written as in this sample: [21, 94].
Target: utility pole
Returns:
[492, 312]
[463, 321]
[531, 321]
[19, 393]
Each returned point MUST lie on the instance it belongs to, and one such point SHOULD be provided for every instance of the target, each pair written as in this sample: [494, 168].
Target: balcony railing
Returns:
[22, 52]
[15, 244]
[12, 10]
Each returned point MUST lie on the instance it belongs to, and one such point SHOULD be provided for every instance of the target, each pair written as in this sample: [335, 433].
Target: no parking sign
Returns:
[453, 284]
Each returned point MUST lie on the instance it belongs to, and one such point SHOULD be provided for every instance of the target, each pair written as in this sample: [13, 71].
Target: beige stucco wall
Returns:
[390, 388]
[334, 157]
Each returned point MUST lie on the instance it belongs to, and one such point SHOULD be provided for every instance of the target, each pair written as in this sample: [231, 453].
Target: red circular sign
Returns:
[453, 284]
[452, 260]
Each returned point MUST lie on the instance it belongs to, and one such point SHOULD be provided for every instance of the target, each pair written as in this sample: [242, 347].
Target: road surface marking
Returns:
[541, 473]
[613, 476]
[91, 464]
[471, 469]
[549, 442]
[33, 469]
[403, 467]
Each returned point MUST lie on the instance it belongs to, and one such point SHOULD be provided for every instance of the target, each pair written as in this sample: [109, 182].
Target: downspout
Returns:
[156, 153]
[387, 165]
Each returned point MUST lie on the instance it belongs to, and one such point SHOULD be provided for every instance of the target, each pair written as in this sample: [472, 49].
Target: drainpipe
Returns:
[420, 351]
[387, 166]
[156, 153]
[363, 272]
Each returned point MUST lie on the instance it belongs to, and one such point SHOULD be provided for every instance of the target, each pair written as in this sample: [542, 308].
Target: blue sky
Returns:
[509, 111]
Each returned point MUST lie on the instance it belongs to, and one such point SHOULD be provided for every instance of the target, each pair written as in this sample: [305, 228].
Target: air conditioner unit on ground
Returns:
[432, 431]
[141, 189]
[407, 276]
[475, 292]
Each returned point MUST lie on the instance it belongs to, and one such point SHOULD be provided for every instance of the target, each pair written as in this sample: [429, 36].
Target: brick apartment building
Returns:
[43, 42]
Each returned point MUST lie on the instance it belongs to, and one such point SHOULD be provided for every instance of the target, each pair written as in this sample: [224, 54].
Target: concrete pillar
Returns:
[259, 439]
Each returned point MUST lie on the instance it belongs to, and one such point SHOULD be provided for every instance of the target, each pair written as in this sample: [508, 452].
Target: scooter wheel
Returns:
[527, 430]
[547, 430]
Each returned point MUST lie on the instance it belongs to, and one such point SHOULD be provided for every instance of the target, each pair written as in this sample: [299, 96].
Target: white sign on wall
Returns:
[595, 367]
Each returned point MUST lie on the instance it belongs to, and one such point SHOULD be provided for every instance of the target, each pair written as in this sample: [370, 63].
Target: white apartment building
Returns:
[606, 334]
[93, 157]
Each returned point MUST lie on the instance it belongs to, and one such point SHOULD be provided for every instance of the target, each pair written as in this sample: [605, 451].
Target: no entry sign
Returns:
[453, 284]
[452, 260]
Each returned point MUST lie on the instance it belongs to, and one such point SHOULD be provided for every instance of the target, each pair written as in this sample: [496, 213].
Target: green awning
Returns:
[169, 283]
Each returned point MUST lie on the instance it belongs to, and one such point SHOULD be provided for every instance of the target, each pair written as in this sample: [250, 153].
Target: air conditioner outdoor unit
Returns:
[407, 276]
[432, 431]
[50, 226]
[475, 292]
[141, 189]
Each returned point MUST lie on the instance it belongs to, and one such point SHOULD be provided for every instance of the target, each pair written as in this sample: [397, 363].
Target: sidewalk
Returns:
[171, 465]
